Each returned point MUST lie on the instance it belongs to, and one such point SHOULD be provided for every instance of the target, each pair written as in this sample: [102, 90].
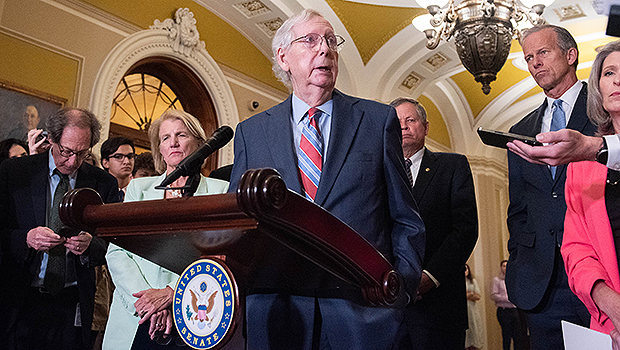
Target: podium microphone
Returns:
[194, 161]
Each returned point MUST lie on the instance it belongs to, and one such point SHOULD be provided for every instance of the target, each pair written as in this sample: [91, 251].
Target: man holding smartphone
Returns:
[37, 141]
[535, 278]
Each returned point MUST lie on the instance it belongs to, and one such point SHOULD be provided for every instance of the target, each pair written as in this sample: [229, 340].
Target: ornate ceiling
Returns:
[385, 57]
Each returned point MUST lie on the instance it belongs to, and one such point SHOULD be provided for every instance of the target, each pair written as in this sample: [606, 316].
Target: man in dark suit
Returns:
[444, 191]
[361, 180]
[49, 304]
[535, 278]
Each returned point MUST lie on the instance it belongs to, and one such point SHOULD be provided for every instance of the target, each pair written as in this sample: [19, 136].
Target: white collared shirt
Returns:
[568, 103]
[416, 160]
[300, 108]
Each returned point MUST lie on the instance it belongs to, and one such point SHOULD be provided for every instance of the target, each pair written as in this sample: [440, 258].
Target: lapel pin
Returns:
[428, 169]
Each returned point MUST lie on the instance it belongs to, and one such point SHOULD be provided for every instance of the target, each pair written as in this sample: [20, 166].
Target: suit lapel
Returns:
[40, 187]
[345, 122]
[534, 130]
[84, 179]
[279, 137]
[427, 170]
[578, 121]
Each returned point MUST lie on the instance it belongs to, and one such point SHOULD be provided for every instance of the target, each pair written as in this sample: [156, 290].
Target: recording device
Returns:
[500, 139]
[192, 163]
[42, 136]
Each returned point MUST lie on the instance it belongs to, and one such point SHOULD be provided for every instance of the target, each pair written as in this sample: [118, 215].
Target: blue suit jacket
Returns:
[363, 183]
[536, 212]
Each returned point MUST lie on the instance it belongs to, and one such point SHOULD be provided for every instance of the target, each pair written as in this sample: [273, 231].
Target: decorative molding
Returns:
[565, 13]
[436, 61]
[182, 31]
[271, 26]
[95, 15]
[252, 8]
[410, 83]
[488, 166]
[156, 42]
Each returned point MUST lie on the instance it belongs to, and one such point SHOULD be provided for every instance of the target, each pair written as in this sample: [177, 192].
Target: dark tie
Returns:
[408, 164]
[558, 122]
[311, 153]
[55, 274]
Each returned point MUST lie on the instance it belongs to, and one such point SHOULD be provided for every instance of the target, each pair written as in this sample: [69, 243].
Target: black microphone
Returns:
[194, 161]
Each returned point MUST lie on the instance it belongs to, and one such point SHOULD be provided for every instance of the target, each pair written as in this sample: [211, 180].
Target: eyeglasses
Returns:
[120, 156]
[313, 41]
[67, 152]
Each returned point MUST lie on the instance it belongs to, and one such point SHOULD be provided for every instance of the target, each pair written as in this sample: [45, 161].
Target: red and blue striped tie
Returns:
[311, 153]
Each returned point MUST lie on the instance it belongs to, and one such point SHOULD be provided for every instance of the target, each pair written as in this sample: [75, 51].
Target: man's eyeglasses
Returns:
[314, 41]
[120, 156]
[67, 152]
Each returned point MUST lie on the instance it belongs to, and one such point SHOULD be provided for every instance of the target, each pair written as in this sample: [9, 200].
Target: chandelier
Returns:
[482, 29]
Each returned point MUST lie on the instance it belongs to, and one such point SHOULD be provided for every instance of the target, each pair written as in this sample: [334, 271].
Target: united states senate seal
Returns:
[205, 303]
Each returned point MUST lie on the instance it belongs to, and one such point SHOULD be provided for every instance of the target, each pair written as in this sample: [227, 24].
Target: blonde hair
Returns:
[596, 112]
[192, 124]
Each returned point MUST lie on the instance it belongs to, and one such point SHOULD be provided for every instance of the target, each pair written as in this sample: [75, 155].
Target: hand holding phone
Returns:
[38, 141]
[500, 139]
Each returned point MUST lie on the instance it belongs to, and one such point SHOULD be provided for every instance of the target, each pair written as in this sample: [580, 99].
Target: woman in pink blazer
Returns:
[588, 247]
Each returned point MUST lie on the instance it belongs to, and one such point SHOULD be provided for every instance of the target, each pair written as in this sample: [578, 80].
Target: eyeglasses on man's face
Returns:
[120, 156]
[313, 41]
[67, 152]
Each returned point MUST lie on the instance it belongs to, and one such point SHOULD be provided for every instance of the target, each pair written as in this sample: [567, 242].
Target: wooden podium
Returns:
[174, 233]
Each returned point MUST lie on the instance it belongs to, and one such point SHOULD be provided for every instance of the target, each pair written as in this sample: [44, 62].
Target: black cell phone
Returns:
[500, 139]
[42, 136]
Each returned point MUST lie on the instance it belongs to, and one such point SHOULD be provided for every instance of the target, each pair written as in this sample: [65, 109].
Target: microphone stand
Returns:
[191, 185]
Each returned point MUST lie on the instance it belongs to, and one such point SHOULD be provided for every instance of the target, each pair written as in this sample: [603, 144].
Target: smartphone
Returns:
[500, 139]
[42, 136]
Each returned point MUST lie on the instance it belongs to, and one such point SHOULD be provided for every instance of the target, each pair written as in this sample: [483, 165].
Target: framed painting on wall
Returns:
[22, 109]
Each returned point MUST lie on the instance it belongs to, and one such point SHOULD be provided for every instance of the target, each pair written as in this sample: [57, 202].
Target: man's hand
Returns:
[43, 238]
[34, 146]
[151, 301]
[564, 146]
[78, 244]
[426, 284]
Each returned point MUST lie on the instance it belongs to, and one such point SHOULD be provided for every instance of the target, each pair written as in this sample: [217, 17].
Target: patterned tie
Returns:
[558, 122]
[408, 164]
[311, 153]
[55, 274]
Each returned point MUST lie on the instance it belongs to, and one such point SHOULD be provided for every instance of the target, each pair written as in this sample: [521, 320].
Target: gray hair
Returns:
[565, 39]
[596, 112]
[78, 117]
[418, 106]
[282, 40]
[192, 124]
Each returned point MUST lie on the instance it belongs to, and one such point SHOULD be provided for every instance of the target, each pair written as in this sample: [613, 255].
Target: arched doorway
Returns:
[185, 66]
[150, 87]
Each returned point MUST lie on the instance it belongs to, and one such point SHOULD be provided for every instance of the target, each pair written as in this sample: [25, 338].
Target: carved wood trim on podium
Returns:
[174, 233]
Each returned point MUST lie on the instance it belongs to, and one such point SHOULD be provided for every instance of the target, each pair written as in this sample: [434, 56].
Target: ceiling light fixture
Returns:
[482, 29]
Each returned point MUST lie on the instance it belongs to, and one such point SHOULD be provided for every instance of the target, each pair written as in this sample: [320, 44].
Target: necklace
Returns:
[175, 193]
[613, 177]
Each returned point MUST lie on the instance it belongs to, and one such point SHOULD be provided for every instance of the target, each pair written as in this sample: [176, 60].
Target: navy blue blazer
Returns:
[536, 212]
[23, 201]
[444, 191]
[363, 183]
